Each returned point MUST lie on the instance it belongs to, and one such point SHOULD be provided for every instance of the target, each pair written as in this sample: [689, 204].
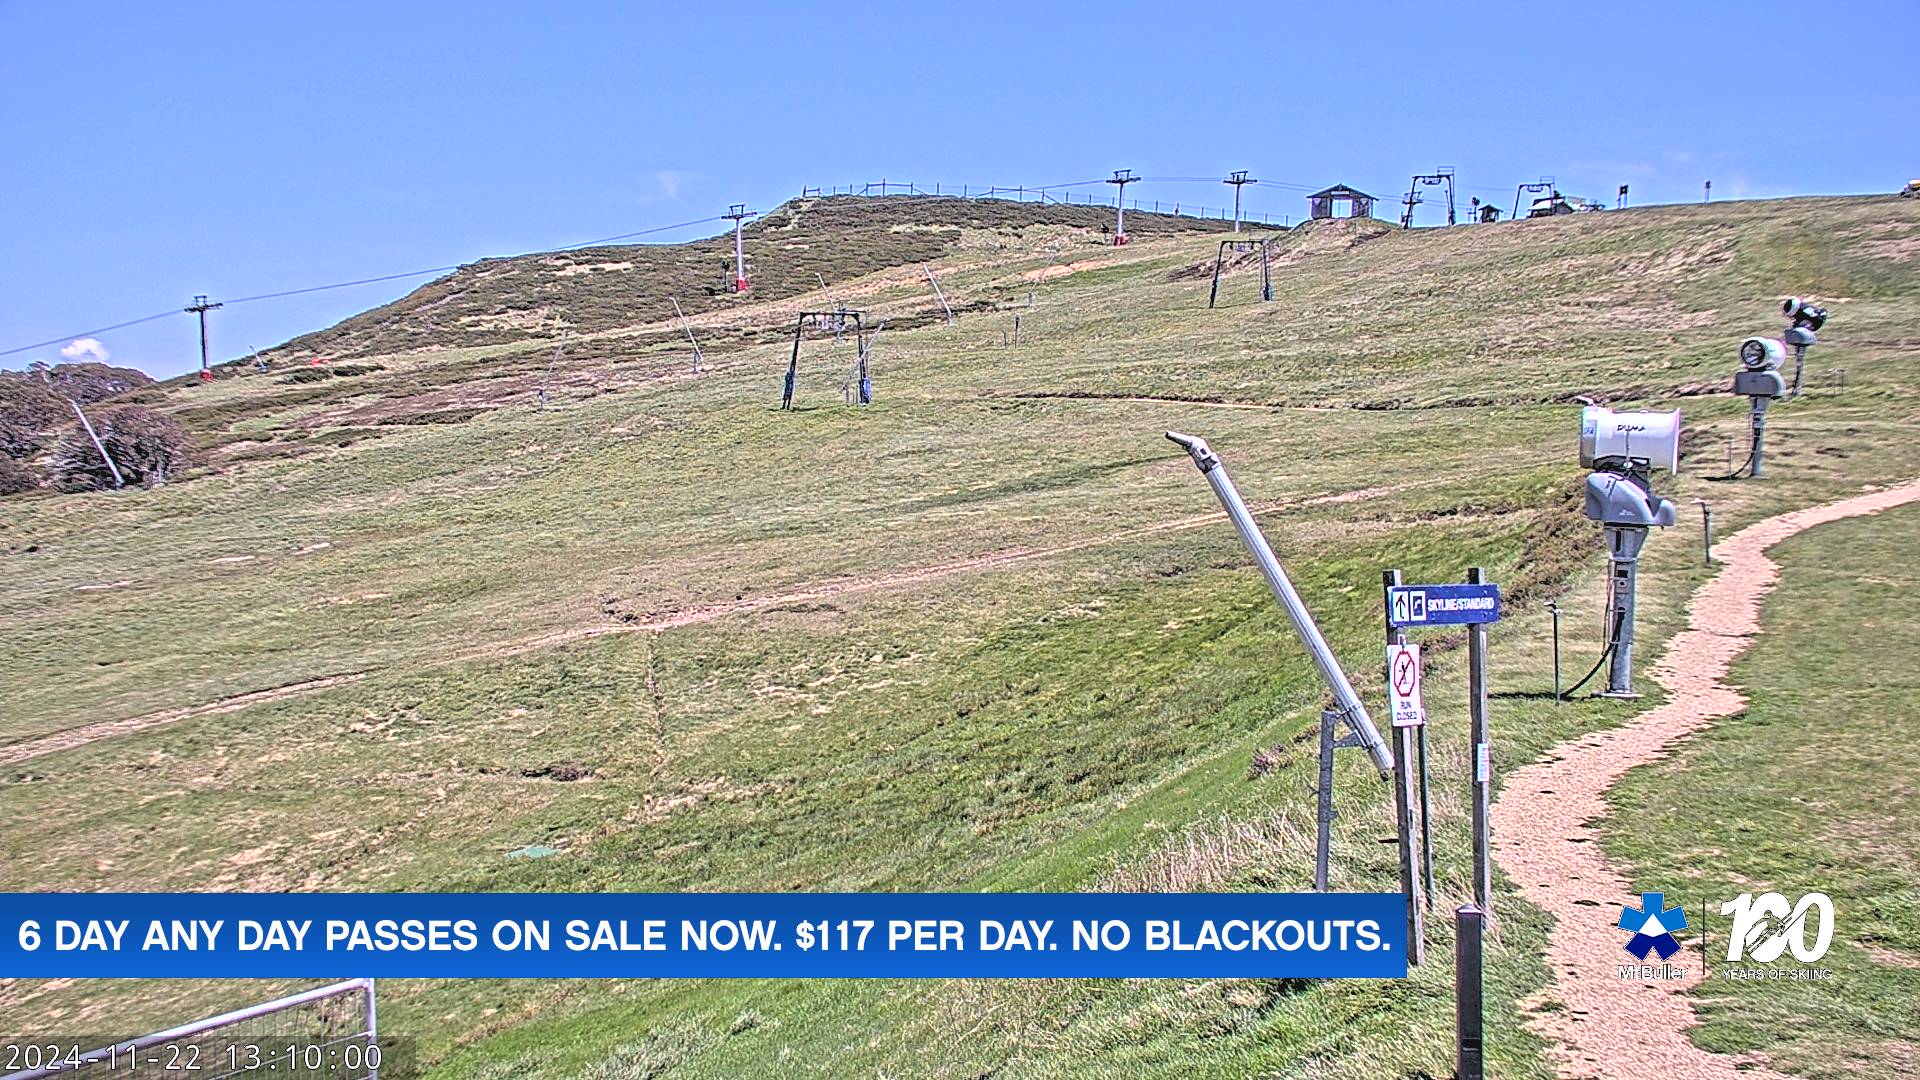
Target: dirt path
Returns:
[1198, 403]
[14, 753]
[1545, 835]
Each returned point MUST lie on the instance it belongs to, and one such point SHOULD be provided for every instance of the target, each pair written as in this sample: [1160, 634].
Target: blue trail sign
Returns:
[1437, 605]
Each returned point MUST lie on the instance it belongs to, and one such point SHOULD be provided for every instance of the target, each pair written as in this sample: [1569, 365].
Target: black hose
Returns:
[1567, 694]
[1735, 474]
[1612, 640]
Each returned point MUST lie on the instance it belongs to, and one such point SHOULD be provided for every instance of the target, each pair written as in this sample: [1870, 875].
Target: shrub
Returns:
[149, 447]
[29, 413]
[15, 477]
[91, 382]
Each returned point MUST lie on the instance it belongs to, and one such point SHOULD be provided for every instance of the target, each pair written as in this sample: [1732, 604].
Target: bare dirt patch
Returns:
[1048, 273]
[1678, 262]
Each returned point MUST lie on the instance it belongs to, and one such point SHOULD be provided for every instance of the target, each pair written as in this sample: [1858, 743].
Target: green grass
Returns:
[865, 710]
[591, 290]
[1808, 790]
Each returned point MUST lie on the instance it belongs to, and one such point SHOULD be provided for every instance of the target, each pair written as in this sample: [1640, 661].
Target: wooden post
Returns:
[1469, 924]
[1558, 697]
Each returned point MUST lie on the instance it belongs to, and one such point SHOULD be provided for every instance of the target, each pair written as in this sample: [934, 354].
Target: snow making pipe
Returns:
[1283, 590]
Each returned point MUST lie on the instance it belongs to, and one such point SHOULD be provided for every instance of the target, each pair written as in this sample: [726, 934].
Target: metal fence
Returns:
[1062, 194]
[329, 1031]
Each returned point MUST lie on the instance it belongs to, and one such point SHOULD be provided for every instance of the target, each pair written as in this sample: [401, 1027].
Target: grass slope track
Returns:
[407, 624]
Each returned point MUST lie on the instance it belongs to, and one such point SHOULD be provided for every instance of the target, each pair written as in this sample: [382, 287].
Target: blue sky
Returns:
[157, 151]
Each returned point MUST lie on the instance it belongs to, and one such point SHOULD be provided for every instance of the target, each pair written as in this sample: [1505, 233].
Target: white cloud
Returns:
[669, 182]
[83, 349]
[656, 186]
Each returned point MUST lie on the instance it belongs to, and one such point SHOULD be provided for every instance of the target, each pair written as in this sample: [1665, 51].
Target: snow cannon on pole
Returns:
[1346, 700]
[1623, 449]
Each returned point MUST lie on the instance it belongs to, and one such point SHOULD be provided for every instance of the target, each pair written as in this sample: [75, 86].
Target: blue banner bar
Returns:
[1438, 605]
[702, 935]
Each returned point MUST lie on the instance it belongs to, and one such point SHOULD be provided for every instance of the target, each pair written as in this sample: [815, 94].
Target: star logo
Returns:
[1653, 924]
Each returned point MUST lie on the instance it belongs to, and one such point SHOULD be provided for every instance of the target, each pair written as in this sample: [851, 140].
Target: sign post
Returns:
[1482, 751]
[1403, 684]
[1403, 665]
[1474, 605]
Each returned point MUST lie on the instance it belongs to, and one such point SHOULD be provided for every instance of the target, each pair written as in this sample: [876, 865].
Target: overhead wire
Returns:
[64, 338]
[1287, 184]
[357, 281]
[456, 266]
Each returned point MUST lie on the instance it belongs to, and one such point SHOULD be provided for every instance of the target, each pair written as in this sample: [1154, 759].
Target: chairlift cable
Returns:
[64, 338]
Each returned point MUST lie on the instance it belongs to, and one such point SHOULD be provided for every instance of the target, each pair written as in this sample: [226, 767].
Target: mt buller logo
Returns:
[1653, 927]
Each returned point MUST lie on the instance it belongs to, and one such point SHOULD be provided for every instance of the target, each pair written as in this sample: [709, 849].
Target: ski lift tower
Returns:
[1239, 179]
[1545, 184]
[1441, 175]
[1121, 178]
[200, 307]
[739, 213]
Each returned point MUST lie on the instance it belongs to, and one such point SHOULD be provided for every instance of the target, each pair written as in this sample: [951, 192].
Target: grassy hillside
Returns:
[986, 633]
[789, 250]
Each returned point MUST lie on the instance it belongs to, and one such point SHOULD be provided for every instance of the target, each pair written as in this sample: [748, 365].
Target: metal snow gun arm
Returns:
[1330, 671]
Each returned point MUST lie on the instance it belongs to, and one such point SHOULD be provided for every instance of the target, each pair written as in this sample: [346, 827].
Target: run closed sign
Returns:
[1403, 685]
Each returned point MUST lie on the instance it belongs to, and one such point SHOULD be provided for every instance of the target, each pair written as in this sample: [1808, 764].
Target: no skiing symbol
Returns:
[1406, 675]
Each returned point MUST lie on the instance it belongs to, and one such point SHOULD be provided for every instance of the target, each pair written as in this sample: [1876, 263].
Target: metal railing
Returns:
[337, 1037]
[1061, 194]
